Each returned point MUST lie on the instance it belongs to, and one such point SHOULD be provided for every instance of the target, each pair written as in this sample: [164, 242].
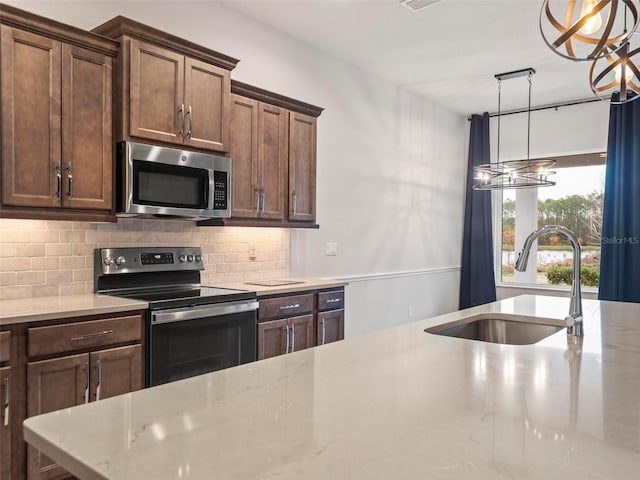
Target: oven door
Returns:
[184, 342]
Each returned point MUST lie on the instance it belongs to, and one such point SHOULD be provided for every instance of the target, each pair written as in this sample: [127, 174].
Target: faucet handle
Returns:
[569, 321]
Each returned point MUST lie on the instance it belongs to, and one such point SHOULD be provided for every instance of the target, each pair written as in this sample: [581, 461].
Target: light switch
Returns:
[331, 248]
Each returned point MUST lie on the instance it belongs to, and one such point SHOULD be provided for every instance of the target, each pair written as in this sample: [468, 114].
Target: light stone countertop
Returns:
[302, 285]
[63, 306]
[395, 404]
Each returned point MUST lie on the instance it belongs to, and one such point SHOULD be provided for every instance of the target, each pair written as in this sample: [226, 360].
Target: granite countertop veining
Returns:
[398, 403]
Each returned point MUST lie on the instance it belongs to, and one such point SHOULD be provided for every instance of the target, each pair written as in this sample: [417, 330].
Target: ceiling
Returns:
[449, 51]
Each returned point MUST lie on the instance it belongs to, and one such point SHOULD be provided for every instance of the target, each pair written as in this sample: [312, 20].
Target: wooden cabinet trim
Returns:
[69, 337]
[28, 21]
[122, 26]
[266, 96]
[5, 346]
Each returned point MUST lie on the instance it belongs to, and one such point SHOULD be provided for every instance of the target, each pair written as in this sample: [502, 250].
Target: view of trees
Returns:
[579, 213]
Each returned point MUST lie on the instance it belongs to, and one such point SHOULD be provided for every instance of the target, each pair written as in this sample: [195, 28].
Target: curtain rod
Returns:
[546, 107]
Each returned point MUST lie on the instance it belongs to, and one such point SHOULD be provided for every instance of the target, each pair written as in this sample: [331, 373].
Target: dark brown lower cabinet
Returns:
[285, 335]
[75, 379]
[53, 385]
[5, 423]
[330, 326]
[115, 371]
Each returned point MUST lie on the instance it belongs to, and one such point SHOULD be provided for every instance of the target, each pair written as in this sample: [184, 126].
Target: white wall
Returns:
[390, 164]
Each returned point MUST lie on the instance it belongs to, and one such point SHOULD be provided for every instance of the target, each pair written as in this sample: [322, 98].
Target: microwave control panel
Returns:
[220, 189]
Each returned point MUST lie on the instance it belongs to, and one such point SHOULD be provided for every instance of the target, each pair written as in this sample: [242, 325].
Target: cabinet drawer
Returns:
[333, 300]
[83, 335]
[289, 306]
[5, 346]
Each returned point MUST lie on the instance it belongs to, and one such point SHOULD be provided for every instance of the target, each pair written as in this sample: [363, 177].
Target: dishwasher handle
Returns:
[202, 311]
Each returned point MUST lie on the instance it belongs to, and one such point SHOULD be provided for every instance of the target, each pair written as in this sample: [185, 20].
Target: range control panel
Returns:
[147, 259]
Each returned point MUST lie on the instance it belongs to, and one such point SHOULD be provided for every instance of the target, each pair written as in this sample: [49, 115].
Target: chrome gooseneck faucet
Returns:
[574, 319]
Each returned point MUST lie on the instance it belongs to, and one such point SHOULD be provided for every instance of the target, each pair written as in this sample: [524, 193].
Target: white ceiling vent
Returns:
[418, 4]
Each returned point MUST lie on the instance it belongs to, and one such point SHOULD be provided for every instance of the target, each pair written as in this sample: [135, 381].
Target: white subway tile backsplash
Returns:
[39, 258]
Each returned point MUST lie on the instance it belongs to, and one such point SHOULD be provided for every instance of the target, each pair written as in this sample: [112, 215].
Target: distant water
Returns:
[544, 256]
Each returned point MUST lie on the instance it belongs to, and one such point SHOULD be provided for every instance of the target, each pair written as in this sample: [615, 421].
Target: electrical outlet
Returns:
[410, 312]
[252, 252]
[331, 248]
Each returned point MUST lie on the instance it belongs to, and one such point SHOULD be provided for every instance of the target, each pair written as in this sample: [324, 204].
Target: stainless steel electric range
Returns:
[191, 329]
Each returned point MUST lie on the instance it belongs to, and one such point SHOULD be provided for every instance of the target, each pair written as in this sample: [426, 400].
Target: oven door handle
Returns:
[191, 313]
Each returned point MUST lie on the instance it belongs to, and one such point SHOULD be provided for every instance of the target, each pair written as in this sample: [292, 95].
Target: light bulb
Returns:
[595, 22]
[617, 71]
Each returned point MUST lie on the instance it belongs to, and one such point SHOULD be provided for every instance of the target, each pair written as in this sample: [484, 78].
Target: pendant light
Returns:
[616, 76]
[586, 29]
[529, 173]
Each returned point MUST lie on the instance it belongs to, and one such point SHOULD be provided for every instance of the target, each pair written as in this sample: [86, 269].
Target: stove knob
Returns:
[190, 258]
[198, 258]
[182, 258]
[121, 260]
[108, 261]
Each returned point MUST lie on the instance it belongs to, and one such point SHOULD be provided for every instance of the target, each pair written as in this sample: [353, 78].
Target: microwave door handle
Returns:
[211, 191]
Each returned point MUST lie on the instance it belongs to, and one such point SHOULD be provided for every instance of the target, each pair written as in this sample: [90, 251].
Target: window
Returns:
[574, 202]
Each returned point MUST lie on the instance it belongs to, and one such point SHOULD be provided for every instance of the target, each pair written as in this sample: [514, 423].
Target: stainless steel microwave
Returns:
[160, 181]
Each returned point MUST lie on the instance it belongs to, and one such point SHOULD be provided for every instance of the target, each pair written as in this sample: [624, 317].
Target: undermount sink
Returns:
[499, 328]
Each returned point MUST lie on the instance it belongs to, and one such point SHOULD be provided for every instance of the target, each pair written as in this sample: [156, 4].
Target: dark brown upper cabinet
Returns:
[273, 152]
[169, 90]
[57, 143]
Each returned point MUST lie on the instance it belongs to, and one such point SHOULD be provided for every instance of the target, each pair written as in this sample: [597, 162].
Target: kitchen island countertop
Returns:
[398, 403]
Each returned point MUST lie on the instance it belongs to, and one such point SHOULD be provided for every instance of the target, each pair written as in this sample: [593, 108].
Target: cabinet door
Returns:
[302, 167]
[115, 371]
[207, 91]
[5, 423]
[156, 93]
[54, 385]
[31, 79]
[301, 333]
[272, 338]
[86, 129]
[330, 326]
[272, 158]
[243, 150]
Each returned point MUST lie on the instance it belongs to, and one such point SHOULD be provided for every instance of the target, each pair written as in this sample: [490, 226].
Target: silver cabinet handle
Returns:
[98, 387]
[257, 201]
[286, 349]
[295, 203]
[181, 112]
[86, 388]
[70, 180]
[7, 401]
[323, 331]
[91, 335]
[190, 113]
[59, 180]
[293, 338]
[334, 300]
[289, 307]
[263, 197]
